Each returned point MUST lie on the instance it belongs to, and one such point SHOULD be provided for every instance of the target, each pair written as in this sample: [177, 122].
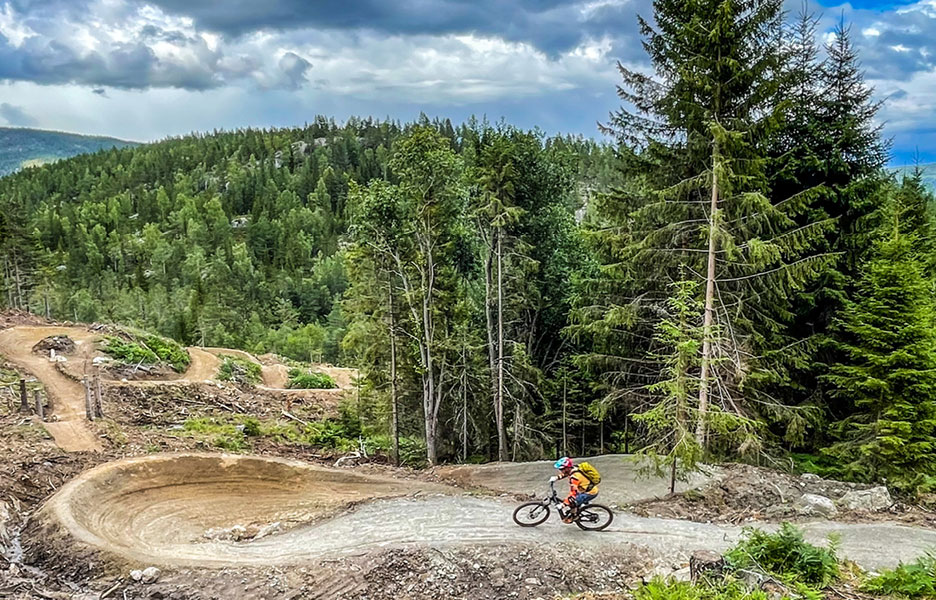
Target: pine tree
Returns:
[888, 373]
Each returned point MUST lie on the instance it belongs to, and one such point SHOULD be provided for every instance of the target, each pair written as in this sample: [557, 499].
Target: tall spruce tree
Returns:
[887, 336]
[697, 194]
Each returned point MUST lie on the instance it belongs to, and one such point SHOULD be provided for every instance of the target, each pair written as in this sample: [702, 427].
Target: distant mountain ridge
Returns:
[23, 147]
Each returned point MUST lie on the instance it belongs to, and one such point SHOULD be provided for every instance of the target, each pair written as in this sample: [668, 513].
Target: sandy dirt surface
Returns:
[174, 506]
[622, 482]
[67, 424]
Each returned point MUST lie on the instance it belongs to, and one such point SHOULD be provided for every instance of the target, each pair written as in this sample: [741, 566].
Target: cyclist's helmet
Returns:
[563, 463]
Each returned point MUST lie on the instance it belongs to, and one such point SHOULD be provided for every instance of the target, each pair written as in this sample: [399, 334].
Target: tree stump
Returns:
[24, 397]
[89, 405]
[37, 400]
[705, 563]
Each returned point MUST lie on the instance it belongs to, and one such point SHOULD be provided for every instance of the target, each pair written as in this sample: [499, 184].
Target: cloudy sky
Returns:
[143, 70]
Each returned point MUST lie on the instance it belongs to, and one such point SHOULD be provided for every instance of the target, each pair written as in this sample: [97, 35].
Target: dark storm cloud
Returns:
[123, 65]
[294, 68]
[551, 25]
[16, 116]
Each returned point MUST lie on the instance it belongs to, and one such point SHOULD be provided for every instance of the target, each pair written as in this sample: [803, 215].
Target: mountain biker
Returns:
[581, 490]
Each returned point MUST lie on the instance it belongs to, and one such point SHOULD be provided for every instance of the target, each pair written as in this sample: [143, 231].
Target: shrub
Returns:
[239, 370]
[148, 350]
[412, 450]
[310, 380]
[913, 580]
[786, 556]
[251, 427]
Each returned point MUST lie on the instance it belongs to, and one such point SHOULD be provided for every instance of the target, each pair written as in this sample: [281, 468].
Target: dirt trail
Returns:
[156, 510]
[69, 429]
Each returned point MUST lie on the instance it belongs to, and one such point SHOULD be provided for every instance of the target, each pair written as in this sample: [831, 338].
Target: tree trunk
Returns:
[518, 429]
[464, 431]
[672, 477]
[601, 436]
[429, 390]
[488, 307]
[565, 434]
[394, 415]
[19, 284]
[701, 424]
[499, 401]
[6, 281]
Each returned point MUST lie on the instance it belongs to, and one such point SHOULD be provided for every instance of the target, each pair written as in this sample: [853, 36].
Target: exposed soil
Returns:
[239, 527]
[67, 422]
[174, 508]
[520, 571]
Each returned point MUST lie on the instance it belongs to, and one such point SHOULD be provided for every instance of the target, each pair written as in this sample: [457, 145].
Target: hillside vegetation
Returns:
[22, 148]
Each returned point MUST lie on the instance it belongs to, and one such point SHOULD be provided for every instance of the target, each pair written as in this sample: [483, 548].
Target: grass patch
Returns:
[238, 434]
[224, 434]
[29, 432]
[911, 580]
[786, 556]
[147, 349]
[301, 379]
[239, 370]
[802, 570]
[661, 589]
[114, 432]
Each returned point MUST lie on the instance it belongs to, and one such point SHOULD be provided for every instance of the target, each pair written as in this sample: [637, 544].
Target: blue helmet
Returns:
[563, 463]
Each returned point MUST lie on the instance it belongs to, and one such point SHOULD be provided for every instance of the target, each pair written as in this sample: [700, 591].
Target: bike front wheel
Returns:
[531, 514]
[594, 517]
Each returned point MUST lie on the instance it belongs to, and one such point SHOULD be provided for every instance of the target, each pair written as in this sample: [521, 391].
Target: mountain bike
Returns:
[590, 517]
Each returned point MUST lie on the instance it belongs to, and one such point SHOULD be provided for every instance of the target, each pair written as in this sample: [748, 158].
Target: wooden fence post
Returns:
[89, 409]
[98, 404]
[40, 409]
[24, 398]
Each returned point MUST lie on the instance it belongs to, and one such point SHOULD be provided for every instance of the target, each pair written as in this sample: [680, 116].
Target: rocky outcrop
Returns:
[814, 505]
[874, 499]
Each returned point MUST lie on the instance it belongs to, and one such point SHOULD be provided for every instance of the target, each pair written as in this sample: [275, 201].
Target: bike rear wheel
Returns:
[594, 517]
[531, 514]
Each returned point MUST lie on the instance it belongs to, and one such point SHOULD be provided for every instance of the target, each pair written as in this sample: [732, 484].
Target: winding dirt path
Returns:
[67, 423]
[68, 426]
[156, 510]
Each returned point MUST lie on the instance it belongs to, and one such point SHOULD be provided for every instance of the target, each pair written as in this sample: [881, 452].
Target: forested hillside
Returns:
[22, 147]
[737, 275]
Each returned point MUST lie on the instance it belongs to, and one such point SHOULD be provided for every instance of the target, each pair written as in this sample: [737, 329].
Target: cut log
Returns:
[705, 564]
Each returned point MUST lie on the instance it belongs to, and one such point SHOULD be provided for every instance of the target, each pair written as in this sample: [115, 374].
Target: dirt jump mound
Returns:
[205, 509]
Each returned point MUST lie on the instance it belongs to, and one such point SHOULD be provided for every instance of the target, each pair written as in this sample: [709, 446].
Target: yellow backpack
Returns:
[590, 473]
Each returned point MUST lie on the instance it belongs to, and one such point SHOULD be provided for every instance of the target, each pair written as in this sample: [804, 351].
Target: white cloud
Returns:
[12, 28]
